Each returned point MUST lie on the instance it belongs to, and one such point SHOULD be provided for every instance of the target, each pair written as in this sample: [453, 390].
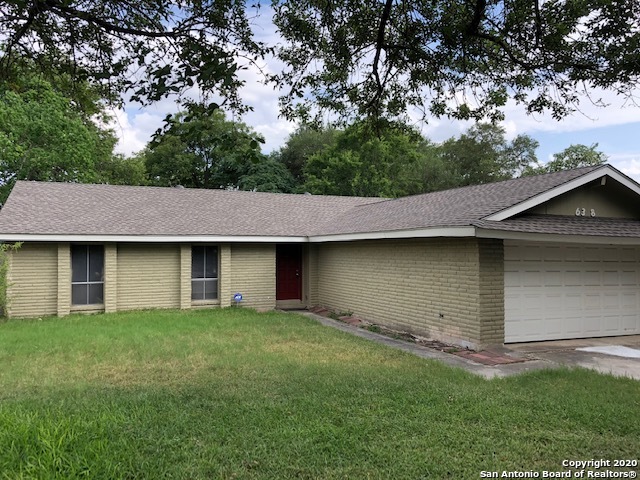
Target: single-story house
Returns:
[553, 256]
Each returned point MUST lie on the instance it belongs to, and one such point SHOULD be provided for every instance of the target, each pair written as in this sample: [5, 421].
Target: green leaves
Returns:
[369, 160]
[44, 138]
[483, 155]
[574, 156]
[200, 148]
[148, 49]
[356, 59]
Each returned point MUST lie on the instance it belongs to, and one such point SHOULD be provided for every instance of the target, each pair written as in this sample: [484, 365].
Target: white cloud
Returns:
[627, 163]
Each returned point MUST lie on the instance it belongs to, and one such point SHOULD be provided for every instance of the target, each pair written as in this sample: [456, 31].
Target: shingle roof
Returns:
[79, 209]
[565, 225]
[457, 207]
[82, 209]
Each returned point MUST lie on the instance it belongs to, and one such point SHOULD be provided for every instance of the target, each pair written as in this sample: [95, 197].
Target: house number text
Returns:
[582, 212]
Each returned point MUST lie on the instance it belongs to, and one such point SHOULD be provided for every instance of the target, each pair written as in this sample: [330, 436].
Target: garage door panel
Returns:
[571, 326]
[553, 278]
[611, 278]
[628, 277]
[630, 323]
[573, 278]
[570, 291]
[532, 278]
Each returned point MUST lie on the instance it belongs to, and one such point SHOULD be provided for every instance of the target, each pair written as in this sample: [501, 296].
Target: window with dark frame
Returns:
[204, 272]
[87, 274]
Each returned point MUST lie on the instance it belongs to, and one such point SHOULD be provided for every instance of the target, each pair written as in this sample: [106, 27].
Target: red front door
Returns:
[289, 272]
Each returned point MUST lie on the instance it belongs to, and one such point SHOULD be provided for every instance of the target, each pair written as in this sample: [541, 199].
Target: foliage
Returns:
[44, 137]
[120, 170]
[268, 175]
[202, 150]
[483, 155]
[230, 393]
[151, 48]
[85, 99]
[5, 251]
[368, 161]
[574, 156]
[303, 143]
[463, 58]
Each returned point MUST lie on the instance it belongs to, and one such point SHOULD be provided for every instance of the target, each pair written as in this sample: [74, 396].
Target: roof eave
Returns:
[16, 237]
[445, 231]
[556, 237]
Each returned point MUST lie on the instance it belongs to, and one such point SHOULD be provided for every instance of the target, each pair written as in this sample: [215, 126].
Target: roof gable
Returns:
[590, 174]
[603, 197]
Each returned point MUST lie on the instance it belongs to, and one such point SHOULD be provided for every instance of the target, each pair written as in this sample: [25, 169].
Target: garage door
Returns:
[559, 291]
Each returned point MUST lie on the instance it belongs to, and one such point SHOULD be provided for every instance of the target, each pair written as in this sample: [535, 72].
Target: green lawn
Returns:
[235, 394]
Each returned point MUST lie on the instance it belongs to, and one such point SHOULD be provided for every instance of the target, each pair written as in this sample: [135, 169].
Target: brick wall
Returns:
[253, 274]
[33, 280]
[432, 287]
[491, 255]
[148, 276]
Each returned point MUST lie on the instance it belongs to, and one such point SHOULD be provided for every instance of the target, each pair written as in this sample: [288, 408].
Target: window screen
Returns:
[87, 274]
[204, 273]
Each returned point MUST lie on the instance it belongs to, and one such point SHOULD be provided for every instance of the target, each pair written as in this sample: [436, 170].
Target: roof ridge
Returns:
[195, 189]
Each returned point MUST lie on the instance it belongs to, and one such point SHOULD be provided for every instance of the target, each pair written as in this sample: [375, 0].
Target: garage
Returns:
[560, 290]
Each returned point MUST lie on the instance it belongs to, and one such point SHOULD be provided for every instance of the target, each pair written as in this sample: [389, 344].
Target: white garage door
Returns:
[556, 291]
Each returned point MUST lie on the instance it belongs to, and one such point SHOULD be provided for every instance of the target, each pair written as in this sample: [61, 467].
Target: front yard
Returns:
[236, 394]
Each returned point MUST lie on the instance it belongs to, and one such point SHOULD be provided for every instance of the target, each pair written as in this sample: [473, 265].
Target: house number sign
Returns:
[582, 212]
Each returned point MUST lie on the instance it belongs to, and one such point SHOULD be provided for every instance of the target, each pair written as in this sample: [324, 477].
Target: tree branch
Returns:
[87, 17]
[384, 19]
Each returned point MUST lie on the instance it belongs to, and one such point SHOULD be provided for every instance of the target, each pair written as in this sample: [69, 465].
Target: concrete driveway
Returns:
[588, 353]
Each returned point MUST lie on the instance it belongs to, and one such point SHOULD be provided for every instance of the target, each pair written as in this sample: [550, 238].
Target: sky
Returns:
[615, 128]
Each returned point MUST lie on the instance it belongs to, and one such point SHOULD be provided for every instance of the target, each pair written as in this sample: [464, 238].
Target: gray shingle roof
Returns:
[456, 207]
[566, 225]
[79, 209]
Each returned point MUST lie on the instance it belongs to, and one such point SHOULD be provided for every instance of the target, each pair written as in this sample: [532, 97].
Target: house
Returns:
[553, 256]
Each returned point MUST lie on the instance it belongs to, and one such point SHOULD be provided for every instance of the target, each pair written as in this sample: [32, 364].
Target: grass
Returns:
[235, 394]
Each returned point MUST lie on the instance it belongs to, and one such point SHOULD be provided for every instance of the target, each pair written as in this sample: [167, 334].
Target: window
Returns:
[204, 273]
[87, 274]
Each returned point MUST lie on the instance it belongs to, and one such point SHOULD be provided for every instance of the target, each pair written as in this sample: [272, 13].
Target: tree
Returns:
[120, 170]
[367, 161]
[44, 137]
[463, 58]
[203, 150]
[574, 156]
[150, 48]
[483, 155]
[303, 143]
[268, 175]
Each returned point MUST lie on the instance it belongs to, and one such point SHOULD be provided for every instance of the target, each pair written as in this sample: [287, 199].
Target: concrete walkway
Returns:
[538, 355]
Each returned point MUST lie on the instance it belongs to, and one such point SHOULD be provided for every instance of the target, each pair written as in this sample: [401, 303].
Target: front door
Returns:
[289, 272]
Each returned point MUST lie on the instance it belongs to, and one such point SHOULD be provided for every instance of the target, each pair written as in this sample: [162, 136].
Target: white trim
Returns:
[559, 190]
[16, 237]
[418, 233]
[556, 237]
